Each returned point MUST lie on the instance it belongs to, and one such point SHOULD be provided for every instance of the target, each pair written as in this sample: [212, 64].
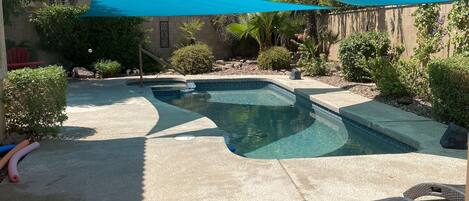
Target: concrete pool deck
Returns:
[118, 145]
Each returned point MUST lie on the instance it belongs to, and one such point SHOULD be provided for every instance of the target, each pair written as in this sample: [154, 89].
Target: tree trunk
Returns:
[3, 71]
[312, 28]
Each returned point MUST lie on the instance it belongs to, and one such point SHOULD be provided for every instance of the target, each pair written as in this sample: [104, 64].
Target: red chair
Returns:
[18, 58]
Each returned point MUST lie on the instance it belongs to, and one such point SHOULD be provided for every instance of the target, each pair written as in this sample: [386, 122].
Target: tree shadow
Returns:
[75, 132]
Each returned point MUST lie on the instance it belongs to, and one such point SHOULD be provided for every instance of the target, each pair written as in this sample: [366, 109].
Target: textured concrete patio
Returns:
[118, 145]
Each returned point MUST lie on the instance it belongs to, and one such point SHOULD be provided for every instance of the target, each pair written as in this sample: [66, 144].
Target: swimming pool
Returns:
[265, 121]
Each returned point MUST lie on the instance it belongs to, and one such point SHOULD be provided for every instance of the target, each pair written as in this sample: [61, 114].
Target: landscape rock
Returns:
[251, 62]
[229, 65]
[455, 137]
[220, 62]
[80, 72]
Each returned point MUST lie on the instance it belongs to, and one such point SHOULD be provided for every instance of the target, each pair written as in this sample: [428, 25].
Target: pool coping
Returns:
[418, 132]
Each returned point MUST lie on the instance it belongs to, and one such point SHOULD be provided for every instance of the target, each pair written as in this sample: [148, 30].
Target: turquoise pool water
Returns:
[268, 122]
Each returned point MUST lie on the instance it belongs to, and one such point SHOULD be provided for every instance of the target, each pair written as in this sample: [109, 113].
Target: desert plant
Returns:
[274, 58]
[387, 76]
[414, 77]
[267, 29]
[459, 25]
[190, 30]
[308, 62]
[193, 59]
[107, 68]
[449, 82]
[35, 100]
[429, 32]
[356, 50]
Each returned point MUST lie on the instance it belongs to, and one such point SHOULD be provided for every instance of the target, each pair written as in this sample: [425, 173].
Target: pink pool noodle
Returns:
[12, 165]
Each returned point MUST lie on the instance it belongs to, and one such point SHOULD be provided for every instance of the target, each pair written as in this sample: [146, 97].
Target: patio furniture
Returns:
[18, 58]
[449, 192]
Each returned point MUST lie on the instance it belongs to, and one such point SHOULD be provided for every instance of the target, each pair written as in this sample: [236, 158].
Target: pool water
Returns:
[267, 122]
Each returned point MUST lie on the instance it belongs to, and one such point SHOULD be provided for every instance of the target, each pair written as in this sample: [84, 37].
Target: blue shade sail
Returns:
[364, 3]
[109, 8]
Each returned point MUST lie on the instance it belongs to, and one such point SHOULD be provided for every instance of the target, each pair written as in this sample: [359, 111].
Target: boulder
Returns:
[455, 137]
[229, 65]
[220, 62]
[238, 65]
[295, 74]
[80, 72]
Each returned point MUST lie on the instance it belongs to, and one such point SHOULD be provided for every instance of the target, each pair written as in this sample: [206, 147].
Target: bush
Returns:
[193, 59]
[400, 78]
[314, 67]
[387, 77]
[415, 77]
[356, 50]
[62, 29]
[274, 58]
[449, 83]
[35, 100]
[107, 68]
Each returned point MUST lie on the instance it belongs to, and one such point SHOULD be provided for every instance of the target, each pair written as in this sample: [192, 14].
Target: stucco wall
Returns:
[207, 35]
[22, 30]
[396, 21]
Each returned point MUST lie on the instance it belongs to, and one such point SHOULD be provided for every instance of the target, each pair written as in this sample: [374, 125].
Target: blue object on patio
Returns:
[6, 148]
[365, 3]
[109, 8]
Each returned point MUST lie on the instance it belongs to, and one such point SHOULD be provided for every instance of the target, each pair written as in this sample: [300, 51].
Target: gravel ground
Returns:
[369, 90]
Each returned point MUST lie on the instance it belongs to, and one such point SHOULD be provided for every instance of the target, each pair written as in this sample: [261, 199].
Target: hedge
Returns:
[449, 83]
[35, 100]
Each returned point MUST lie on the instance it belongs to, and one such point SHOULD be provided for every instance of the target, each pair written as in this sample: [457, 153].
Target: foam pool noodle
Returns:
[12, 152]
[13, 164]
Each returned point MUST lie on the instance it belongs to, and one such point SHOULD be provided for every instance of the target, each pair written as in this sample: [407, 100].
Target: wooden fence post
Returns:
[3, 72]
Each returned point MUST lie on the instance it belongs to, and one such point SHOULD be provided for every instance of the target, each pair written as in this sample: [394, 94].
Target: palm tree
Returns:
[266, 28]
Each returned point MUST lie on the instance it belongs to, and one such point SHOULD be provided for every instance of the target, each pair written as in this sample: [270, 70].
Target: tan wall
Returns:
[207, 35]
[22, 30]
[396, 21]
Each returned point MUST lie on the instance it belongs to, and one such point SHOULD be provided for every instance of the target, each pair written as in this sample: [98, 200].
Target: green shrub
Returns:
[62, 29]
[193, 59]
[415, 78]
[274, 58]
[356, 50]
[400, 78]
[314, 67]
[107, 68]
[386, 75]
[35, 100]
[449, 82]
